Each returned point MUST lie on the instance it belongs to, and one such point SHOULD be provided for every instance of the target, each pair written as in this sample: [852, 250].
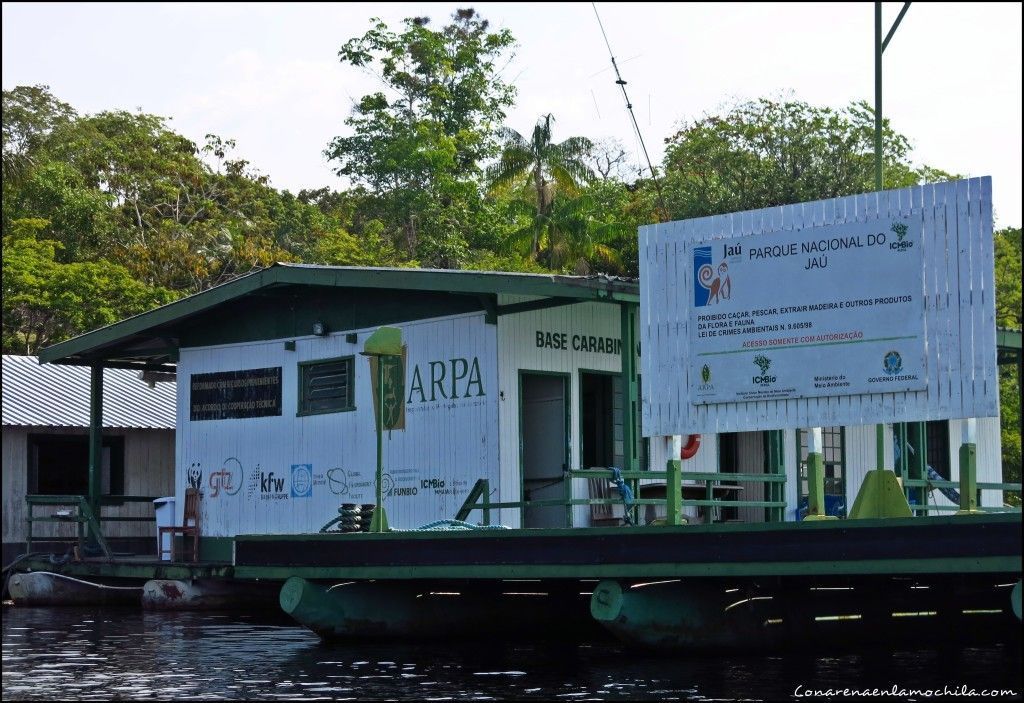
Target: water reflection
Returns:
[102, 654]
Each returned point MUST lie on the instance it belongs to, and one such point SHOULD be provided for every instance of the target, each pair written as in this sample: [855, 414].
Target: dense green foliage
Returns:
[108, 214]
[1008, 314]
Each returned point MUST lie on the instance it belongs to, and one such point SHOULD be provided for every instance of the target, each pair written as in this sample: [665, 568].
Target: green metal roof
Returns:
[150, 339]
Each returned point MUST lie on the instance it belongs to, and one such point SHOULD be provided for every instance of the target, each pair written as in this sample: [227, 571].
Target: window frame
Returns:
[304, 366]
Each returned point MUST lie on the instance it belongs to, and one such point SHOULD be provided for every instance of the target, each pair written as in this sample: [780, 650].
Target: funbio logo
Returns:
[710, 285]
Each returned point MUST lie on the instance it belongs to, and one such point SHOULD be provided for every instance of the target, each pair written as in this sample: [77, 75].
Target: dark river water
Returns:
[63, 653]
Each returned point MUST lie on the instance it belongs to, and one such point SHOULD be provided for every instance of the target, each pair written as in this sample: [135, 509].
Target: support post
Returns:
[969, 469]
[629, 395]
[918, 468]
[95, 441]
[379, 521]
[880, 45]
[673, 492]
[629, 387]
[384, 343]
[775, 464]
[674, 483]
[816, 477]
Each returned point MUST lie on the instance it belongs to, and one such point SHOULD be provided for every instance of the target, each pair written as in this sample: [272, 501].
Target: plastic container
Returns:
[164, 509]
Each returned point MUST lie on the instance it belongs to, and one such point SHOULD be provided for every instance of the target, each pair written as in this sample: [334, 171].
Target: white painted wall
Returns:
[518, 351]
[454, 440]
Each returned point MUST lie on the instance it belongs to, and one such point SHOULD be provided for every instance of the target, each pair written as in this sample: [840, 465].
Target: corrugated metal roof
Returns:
[55, 395]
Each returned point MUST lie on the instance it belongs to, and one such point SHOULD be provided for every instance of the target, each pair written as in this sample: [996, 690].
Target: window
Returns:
[938, 447]
[327, 386]
[834, 452]
[59, 465]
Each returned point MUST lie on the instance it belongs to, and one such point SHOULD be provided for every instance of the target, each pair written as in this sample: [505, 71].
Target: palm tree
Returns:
[542, 169]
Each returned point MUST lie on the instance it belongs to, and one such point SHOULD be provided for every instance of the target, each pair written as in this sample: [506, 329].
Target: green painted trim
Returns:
[511, 534]
[300, 366]
[1008, 339]
[217, 549]
[1009, 565]
[567, 386]
[179, 571]
[531, 305]
[95, 440]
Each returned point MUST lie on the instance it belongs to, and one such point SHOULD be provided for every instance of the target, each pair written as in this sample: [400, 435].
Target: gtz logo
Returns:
[763, 363]
[709, 286]
[892, 362]
[228, 479]
[901, 243]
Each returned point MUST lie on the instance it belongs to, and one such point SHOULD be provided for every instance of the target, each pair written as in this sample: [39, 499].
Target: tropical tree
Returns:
[766, 153]
[1008, 314]
[415, 146]
[544, 170]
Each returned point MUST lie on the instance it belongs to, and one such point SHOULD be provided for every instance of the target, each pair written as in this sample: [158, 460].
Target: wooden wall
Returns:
[148, 471]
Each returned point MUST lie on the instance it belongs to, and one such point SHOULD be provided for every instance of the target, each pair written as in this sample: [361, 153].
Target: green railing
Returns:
[479, 496]
[82, 516]
[925, 485]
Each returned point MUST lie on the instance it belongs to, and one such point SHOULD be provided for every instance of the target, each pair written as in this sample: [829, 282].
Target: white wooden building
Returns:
[509, 377]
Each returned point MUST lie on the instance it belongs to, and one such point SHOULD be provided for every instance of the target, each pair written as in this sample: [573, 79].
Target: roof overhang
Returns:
[148, 340]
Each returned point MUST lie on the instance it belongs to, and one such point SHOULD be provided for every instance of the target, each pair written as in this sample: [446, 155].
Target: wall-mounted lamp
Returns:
[352, 338]
[319, 329]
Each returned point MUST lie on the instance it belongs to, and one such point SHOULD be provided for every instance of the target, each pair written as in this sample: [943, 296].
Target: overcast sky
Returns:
[267, 75]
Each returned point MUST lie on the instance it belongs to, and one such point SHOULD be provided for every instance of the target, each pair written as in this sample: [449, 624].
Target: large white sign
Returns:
[835, 310]
[869, 308]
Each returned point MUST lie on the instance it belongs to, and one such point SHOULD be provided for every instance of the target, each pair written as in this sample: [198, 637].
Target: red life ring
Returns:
[689, 449]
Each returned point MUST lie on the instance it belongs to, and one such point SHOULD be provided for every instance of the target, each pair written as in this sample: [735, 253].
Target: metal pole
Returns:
[878, 97]
[95, 438]
[880, 428]
[969, 469]
[816, 477]
[880, 45]
[379, 522]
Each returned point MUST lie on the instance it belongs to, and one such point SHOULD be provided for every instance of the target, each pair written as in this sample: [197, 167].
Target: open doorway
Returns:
[544, 443]
[600, 420]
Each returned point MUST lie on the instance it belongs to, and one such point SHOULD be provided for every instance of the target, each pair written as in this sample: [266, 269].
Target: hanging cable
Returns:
[663, 215]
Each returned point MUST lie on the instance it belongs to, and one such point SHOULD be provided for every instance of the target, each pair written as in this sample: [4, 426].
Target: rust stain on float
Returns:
[171, 590]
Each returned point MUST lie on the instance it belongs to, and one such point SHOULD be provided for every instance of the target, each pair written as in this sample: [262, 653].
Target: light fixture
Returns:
[319, 329]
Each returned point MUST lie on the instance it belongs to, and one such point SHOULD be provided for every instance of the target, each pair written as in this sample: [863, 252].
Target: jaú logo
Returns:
[710, 285]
